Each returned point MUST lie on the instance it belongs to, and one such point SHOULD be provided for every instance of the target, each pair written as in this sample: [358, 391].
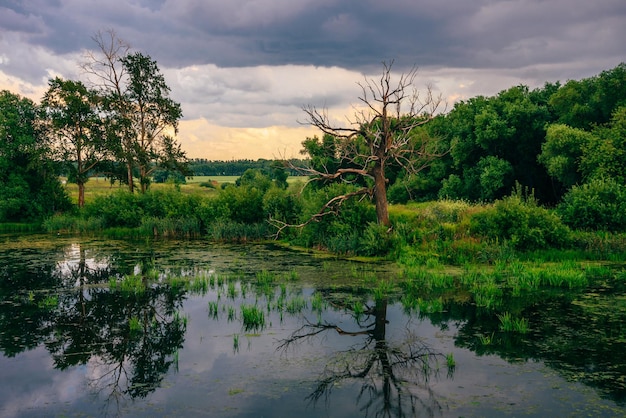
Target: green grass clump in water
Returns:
[129, 284]
[253, 317]
[510, 324]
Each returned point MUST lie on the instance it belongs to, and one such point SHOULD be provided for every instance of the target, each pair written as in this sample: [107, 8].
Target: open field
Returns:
[101, 186]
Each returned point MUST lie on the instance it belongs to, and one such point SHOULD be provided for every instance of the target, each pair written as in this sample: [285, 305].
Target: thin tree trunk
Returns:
[131, 186]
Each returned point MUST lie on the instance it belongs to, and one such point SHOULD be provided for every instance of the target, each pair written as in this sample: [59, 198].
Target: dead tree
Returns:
[382, 131]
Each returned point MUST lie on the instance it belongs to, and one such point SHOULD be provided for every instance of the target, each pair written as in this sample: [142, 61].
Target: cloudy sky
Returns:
[243, 69]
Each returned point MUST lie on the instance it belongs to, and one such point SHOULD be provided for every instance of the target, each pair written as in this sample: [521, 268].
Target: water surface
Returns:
[78, 338]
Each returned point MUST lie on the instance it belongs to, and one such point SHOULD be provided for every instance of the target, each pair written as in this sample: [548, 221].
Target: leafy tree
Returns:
[562, 151]
[589, 102]
[74, 124]
[605, 156]
[29, 185]
[495, 142]
[142, 118]
[382, 133]
[153, 114]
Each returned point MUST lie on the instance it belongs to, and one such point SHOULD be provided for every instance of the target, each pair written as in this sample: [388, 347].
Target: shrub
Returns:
[117, 209]
[597, 205]
[338, 232]
[281, 205]
[522, 222]
[376, 240]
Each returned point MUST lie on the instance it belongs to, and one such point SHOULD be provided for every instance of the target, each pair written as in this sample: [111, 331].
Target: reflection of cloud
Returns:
[32, 387]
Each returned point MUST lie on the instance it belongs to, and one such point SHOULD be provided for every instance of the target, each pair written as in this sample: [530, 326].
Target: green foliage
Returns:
[597, 205]
[561, 153]
[253, 317]
[376, 240]
[117, 209]
[282, 205]
[341, 231]
[522, 222]
[29, 185]
[605, 155]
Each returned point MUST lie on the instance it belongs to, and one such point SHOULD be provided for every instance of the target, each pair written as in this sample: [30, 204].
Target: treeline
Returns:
[204, 167]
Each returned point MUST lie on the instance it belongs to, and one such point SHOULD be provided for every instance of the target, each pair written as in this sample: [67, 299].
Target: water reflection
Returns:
[128, 340]
[394, 375]
[115, 316]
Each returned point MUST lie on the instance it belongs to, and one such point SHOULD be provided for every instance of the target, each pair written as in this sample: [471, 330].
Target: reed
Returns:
[253, 317]
[232, 290]
[236, 343]
[510, 324]
[317, 302]
[231, 314]
[134, 325]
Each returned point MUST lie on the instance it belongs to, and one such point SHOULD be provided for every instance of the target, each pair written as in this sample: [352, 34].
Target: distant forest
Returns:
[204, 167]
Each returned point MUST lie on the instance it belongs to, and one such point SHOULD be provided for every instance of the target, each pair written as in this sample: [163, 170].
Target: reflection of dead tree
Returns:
[394, 377]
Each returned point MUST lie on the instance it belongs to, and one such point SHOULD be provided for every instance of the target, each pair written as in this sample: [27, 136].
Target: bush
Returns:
[281, 205]
[338, 232]
[376, 240]
[597, 205]
[117, 209]
[522, 222]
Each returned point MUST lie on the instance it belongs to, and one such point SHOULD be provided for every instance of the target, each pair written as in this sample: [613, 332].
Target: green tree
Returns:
[508, 129]
[153, 115]
[590, 102]
[141, 117]
[29, 184]
[562, 151]
[605, 156]
[73, 123]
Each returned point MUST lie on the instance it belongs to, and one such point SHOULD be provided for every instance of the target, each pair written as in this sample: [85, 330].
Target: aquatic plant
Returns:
[231, 313]
[450, 362]
[510, 324]
[232, 290]
[253, 317]
[236, 343]
[317, 302]
[134, 324]
[48, 302]
[265, 277]
[128, 284]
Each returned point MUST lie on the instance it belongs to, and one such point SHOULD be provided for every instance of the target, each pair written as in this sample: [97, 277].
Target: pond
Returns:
[186, 328]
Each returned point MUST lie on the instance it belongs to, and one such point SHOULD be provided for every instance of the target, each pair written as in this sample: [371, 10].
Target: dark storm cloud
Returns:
[352, 34]
[345, 33]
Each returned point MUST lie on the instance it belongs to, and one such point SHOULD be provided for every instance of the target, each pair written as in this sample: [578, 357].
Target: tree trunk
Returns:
[81, 194]
[380, 195]
[131, 186]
